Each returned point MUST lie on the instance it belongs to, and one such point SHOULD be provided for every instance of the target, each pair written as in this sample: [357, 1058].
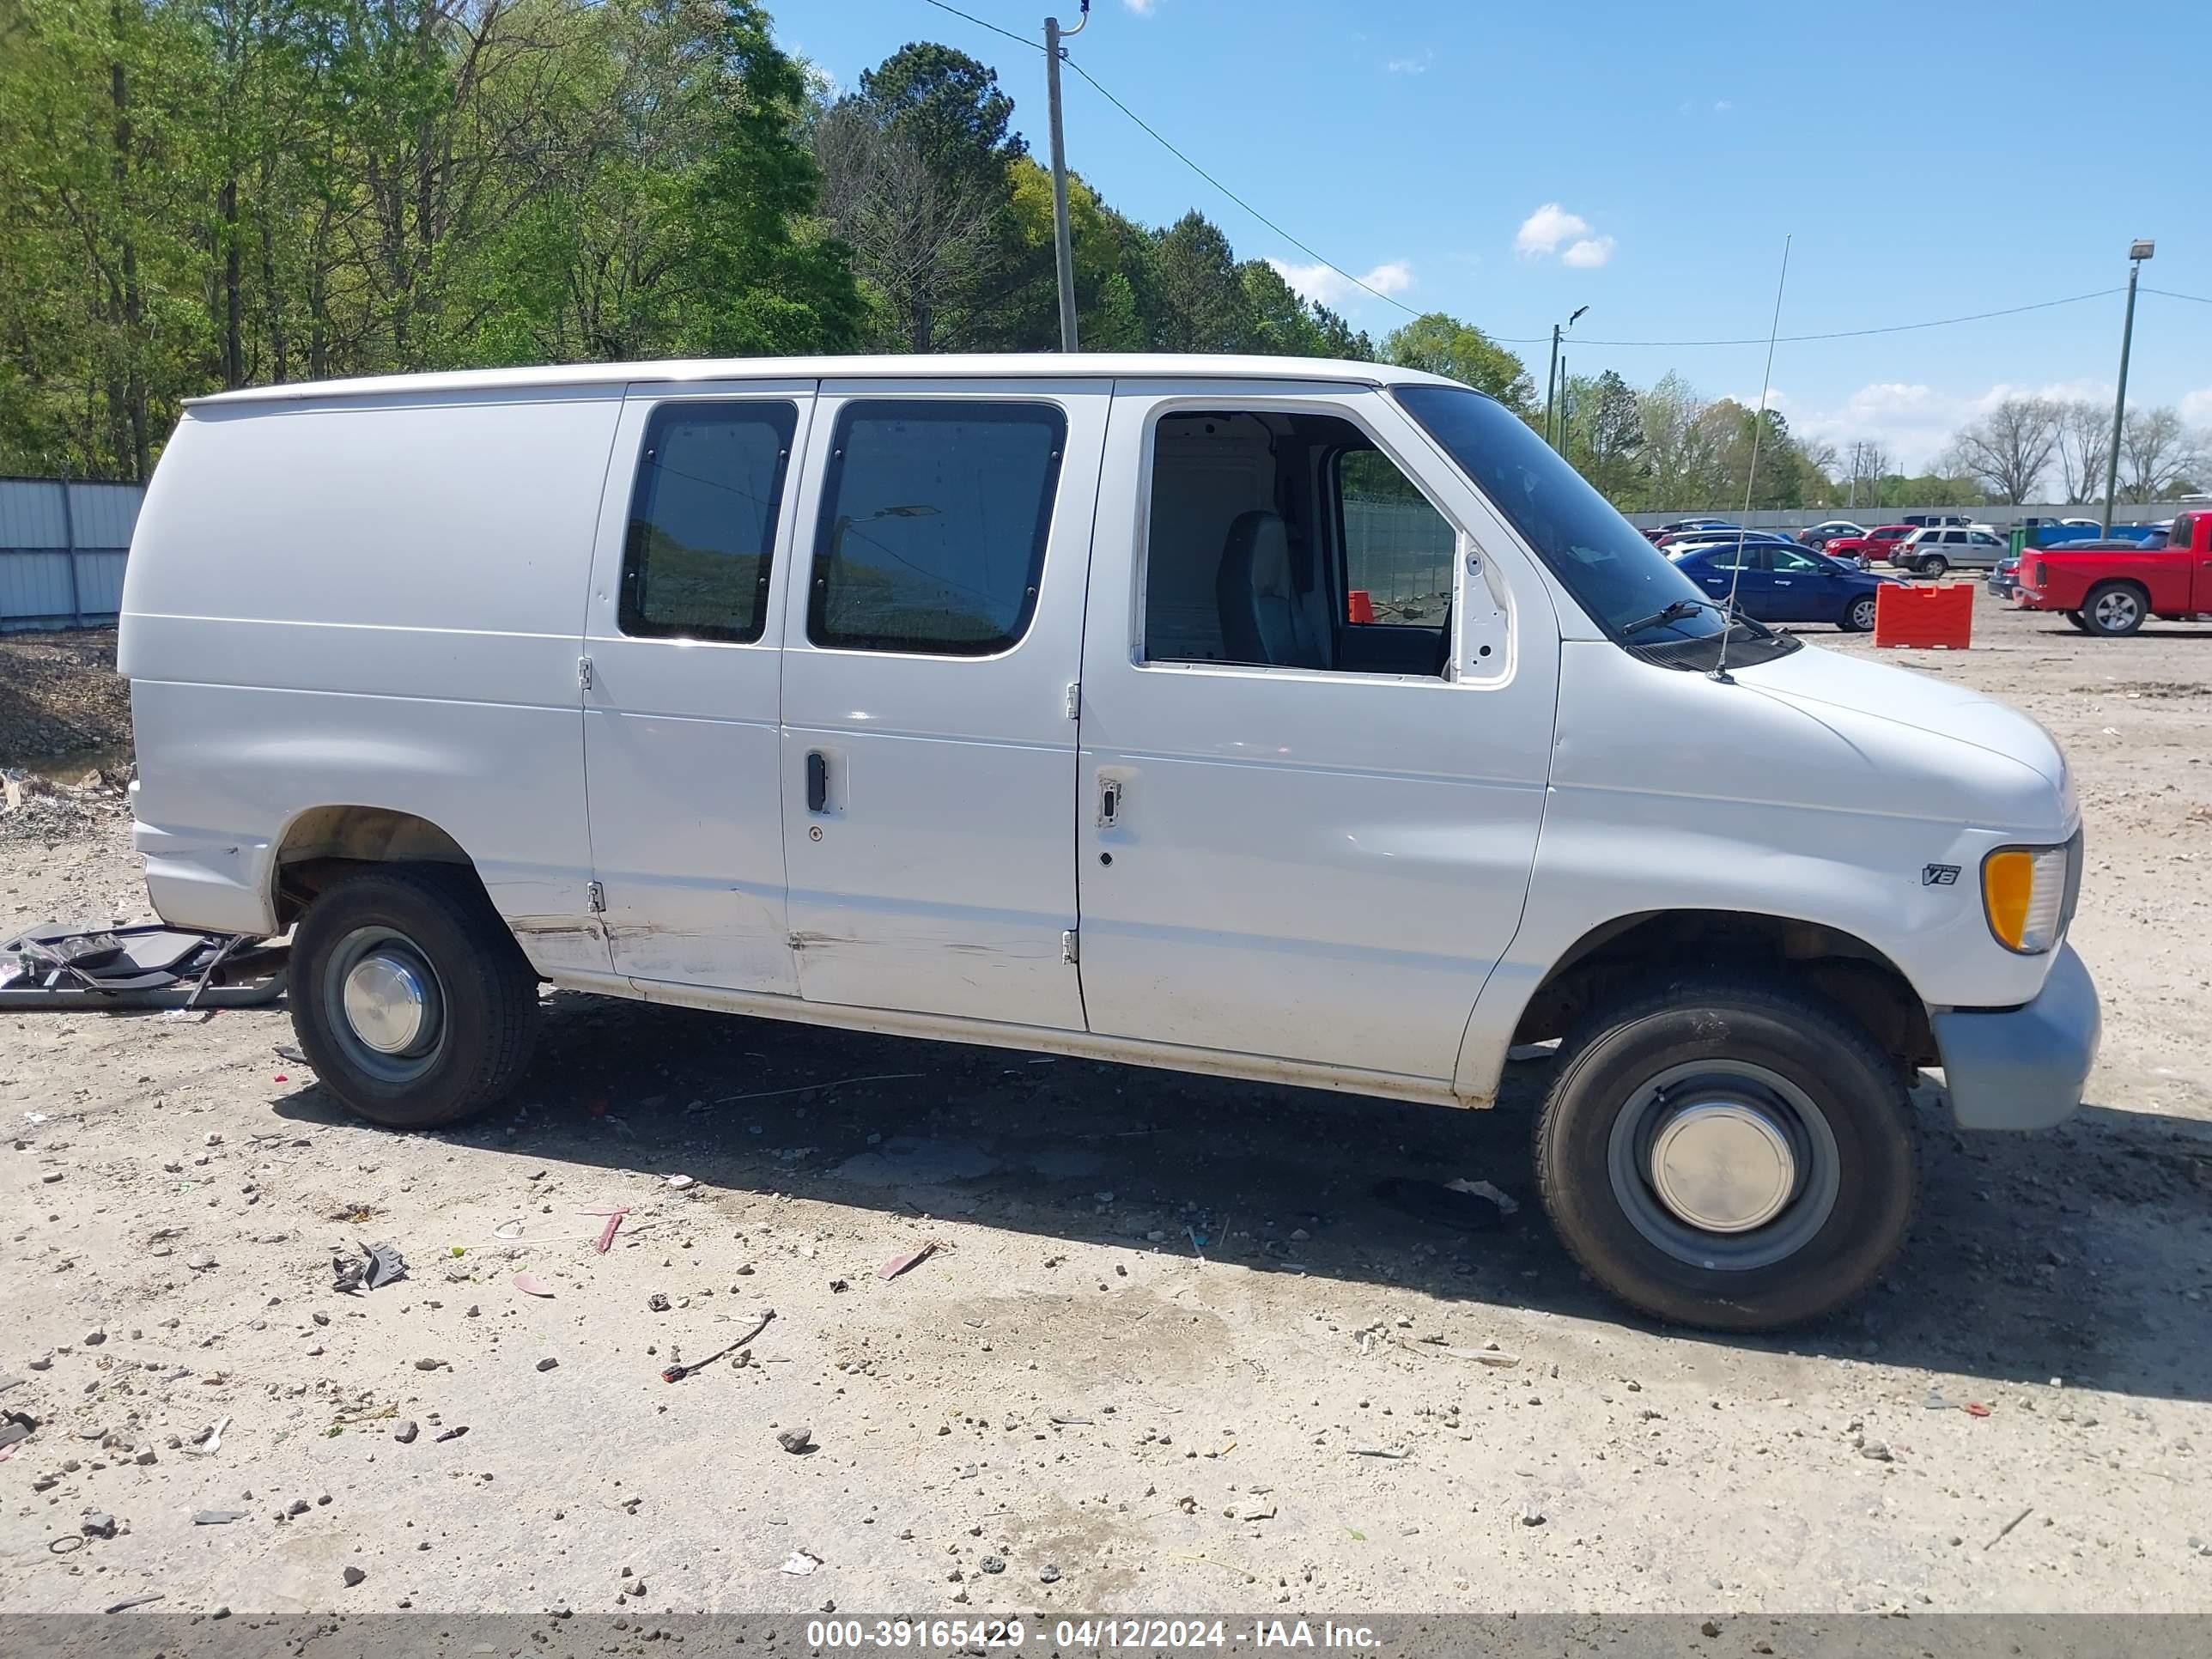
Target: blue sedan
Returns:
[1779, 583]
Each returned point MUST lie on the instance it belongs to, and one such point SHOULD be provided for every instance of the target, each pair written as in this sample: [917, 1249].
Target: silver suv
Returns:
[1930, 551]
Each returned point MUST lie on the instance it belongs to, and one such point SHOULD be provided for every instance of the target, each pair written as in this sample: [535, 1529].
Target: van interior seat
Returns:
[1263, 618]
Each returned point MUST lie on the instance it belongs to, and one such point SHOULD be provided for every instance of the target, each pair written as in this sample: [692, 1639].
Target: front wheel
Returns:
[1935, 565]
[410, 996]
[1720, 1154]
[2115, 609]
[1858, 616]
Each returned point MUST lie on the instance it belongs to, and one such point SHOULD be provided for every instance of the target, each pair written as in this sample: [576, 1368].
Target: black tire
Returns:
[433, 917]
[1848, 1214]
[2078, 620]
[2113, 611]
[1935, 565]
[1858, 616]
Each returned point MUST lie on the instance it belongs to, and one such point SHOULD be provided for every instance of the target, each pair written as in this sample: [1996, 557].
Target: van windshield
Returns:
[1619, 579]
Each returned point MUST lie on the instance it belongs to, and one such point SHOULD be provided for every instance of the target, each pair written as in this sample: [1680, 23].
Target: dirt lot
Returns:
[1172, 1351]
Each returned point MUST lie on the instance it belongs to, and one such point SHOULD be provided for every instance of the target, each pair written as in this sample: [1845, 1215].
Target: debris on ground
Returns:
[614, 1214]
[530, 1284]
[799, 1563]
[899, 1264]
[1448, 1206]
[381, 1265]
[679, 1372]
[405, 1432]
[216, 1517]
[796, 1440]
[210, 1440]
[1483, 1189]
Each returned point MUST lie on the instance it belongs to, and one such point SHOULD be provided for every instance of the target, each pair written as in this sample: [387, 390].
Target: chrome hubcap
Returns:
[386, 1003]
[2116, 610]
[1723, 1166]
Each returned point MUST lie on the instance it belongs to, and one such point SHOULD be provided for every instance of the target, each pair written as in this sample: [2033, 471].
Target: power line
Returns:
[1153, 133]
[1892, 328]
[2168, 294]
[1156, 137]
[1034, 45]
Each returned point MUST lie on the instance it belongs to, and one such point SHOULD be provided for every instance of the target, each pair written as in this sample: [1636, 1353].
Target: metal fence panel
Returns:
[105, 514]
[31, 513]
[34, 589]
[100, 583]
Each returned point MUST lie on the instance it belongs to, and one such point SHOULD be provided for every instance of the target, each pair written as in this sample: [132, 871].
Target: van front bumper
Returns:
[2023, 1068]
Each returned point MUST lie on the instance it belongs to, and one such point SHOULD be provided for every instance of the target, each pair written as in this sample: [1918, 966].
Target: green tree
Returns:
[1203, 304]
[1442, 344]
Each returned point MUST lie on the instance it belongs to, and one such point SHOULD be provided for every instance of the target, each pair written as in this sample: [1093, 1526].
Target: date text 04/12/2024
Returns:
[1152, 1634]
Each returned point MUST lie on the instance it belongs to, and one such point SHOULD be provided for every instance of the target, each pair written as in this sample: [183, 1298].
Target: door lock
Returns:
[1109, 802]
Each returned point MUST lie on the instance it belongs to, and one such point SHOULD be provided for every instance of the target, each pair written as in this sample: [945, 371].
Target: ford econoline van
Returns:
[1308, 722]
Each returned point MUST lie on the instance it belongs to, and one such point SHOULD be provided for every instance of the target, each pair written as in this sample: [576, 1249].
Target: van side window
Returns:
[1397, 549]
[1291, 541]
[702, 518]
[935, 519]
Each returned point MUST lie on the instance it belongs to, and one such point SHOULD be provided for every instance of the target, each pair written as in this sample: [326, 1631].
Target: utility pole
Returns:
[2138, 251]
[1063, 250]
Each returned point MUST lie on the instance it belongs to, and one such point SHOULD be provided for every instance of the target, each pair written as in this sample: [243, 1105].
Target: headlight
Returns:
[2024, 894]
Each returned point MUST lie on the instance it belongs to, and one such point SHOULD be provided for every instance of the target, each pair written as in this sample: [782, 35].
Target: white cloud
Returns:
[1321, 285]
[1142, 7]
[1412, 65]
[1589, 253]
[1913, 421]
[1542, 231]
[2196, 406]
[1722, 107]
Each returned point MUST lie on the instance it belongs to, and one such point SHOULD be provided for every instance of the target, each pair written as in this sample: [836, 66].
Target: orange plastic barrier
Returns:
[1359, 607]
[1932, 618]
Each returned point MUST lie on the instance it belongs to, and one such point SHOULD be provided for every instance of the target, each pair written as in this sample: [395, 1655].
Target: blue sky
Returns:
[1508, 163]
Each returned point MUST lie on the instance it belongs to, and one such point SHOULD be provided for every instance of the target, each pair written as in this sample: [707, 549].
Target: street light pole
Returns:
[2138, 251]
[1063, 251]
[1551, 434]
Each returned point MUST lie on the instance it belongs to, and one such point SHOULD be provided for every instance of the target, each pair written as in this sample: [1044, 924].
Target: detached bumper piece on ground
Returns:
[133, 968]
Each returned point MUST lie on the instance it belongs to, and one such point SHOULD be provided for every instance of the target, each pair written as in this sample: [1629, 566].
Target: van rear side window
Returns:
[934, 519]
[702, 520]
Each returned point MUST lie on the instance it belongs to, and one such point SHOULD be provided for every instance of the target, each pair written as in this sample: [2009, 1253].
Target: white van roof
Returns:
[1051, 365]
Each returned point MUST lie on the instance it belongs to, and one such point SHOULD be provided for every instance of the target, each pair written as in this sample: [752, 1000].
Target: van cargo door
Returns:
[928, 733]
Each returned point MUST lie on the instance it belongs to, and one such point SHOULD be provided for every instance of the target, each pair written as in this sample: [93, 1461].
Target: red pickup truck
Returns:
[2111, 589]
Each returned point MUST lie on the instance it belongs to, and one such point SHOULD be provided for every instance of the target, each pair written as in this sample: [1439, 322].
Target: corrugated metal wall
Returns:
[61, 551]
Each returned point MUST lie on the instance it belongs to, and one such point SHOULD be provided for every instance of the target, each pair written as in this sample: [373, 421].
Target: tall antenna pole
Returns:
[1750, 478]
[1063, 251]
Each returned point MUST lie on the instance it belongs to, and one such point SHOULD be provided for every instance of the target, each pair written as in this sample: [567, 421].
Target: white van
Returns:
[1303, 721]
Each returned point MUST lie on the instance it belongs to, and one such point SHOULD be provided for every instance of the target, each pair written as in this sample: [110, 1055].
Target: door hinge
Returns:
[584, 672]
[1075, 699]
[595, 898]
[1070, 947]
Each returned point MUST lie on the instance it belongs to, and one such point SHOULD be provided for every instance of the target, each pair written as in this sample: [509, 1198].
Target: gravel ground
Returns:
[1173, 1349]
[59, 696]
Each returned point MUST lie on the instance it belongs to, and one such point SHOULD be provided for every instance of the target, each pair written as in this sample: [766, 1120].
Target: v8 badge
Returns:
[1938, 875]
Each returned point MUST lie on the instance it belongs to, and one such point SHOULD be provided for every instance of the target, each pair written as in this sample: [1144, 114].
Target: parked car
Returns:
[1930, 551]
[1917, 520]
[1701, 524]
[1781, 583]
[2111, 586]
[1876, 543]
[2004, 577]
[1684, 539]
[1820, 535]
[1017, 701]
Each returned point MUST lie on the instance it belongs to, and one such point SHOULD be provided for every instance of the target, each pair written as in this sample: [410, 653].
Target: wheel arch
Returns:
[322, 843]
[1615, 955]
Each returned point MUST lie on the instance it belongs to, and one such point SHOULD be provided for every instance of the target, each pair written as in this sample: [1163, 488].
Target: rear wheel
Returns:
[1935, 565]
[2114, 609]
[2078, 620]
[411, 997]
[1858, 616]
[1720, 1154]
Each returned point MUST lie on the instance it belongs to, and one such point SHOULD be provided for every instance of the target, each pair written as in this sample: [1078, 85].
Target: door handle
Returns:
[817, 781]
[1109, 801]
